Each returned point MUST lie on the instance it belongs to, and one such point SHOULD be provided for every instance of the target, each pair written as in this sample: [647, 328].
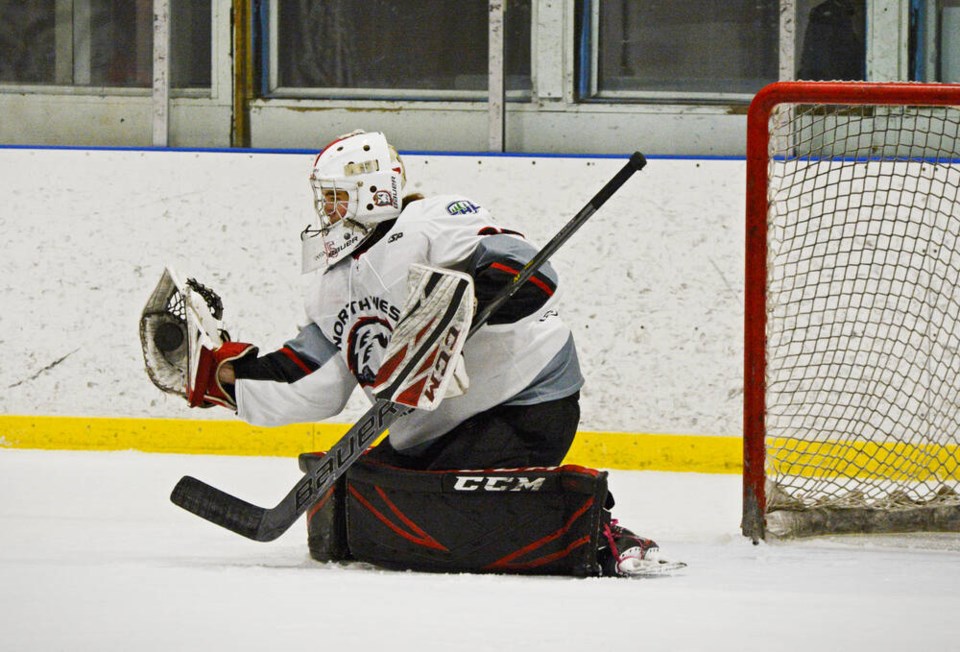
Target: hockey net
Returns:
[852, 309]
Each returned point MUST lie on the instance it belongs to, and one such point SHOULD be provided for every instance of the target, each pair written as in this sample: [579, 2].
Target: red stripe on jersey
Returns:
[533, 279]
[296, 360]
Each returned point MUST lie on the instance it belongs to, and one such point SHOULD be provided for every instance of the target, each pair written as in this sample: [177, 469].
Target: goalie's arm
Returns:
[297, 358]
[316, 396]
[235, 360]
[268, 392]
[496, 260]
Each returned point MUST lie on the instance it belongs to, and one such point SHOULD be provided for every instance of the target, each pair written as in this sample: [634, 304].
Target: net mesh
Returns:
[863, 312]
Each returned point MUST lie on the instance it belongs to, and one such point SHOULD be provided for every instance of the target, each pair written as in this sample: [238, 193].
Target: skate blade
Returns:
[637, 568]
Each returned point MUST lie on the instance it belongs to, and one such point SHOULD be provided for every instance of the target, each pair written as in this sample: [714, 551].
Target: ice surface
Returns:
[93, 556]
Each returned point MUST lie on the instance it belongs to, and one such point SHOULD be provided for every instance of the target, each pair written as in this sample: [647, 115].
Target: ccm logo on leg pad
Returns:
[497, 483]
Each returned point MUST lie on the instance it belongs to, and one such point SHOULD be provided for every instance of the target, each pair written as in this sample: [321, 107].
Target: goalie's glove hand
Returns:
[207, 389]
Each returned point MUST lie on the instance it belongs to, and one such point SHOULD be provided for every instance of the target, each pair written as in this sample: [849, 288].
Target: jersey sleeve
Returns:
[320, 395]
[297, 358]
[305, 380]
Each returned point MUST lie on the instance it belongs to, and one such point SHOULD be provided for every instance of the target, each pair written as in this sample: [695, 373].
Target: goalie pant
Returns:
[536, 520]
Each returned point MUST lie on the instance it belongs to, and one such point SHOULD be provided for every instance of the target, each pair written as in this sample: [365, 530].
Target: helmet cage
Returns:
[327, 203]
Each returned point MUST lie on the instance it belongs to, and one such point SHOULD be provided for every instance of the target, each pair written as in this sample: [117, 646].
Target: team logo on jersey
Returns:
[462, 207]
[366, 345]
[383, 198]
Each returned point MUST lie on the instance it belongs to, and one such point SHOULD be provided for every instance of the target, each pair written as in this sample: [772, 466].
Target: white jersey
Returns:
[354, 306]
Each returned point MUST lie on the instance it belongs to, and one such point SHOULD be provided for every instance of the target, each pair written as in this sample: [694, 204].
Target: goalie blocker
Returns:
[522, 521]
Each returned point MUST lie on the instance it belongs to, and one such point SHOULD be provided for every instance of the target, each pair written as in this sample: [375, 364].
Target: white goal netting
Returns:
[863, 316]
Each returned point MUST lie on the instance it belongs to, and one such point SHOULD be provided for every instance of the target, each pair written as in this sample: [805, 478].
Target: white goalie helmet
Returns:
[357, 183]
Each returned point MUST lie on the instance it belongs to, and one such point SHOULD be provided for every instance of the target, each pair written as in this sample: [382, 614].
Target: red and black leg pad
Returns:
[326, 518]
[522, 521]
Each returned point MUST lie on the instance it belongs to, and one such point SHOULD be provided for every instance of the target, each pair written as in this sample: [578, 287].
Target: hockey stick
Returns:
[267, 524]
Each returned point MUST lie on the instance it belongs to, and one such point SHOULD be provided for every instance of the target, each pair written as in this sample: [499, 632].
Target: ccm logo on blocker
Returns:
[495, 483]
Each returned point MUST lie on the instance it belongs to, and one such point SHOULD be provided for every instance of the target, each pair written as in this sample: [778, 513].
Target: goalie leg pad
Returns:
[326, 518]
[519, 521]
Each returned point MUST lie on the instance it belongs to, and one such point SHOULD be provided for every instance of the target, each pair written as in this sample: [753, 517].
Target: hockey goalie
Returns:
[470, 480]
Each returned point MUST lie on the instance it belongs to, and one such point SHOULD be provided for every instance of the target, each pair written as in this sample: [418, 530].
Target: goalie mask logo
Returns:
[366, 345]
[383, 198]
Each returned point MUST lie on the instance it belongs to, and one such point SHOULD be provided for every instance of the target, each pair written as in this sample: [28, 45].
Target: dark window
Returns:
[101, 43]
[695, 46]
[832, 36]
[27, 42]
[398, 45]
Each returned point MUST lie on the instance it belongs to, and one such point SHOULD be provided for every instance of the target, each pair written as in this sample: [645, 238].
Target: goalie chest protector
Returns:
[522, 521]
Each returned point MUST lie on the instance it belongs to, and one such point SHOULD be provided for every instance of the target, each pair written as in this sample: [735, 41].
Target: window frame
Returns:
[68, 61]
[591, 91]
[270, 72]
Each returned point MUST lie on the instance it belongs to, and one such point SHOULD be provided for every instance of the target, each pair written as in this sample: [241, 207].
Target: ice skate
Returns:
[625, 554]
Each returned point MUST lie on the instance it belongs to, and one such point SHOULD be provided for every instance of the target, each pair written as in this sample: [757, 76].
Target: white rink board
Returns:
[652, 283]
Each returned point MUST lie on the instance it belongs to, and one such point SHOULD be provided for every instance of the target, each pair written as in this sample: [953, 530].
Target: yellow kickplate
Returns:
[608, 450]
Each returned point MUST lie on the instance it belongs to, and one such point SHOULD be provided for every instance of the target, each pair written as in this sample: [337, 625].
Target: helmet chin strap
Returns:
[316, 244]
[366, 228]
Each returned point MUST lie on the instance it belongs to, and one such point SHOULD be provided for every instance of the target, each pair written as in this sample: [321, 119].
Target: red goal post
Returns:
[851, 405]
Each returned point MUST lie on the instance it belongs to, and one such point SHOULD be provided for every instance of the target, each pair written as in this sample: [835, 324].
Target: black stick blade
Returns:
[218, 507]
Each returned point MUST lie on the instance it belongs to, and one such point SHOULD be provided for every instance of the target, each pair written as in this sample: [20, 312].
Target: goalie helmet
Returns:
[357, 183]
